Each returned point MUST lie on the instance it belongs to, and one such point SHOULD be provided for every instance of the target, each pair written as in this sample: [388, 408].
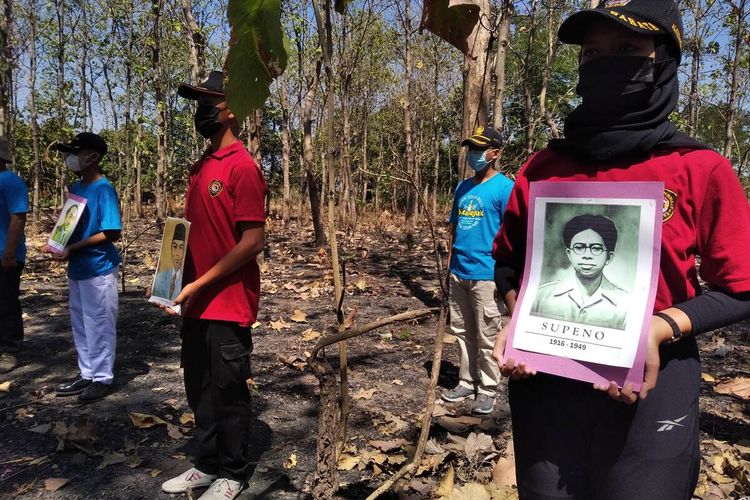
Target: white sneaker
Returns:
[191, 478]
[222, 489]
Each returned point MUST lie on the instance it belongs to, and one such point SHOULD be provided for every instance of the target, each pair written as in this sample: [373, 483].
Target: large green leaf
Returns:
[257, 53]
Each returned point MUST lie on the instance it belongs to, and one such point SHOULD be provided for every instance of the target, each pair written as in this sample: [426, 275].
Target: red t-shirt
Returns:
[226, 187]
[705, 213]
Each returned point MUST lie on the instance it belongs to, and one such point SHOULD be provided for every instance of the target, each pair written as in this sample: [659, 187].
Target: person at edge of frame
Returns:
[219, 299]
[93, 264]
[478, 206]
[572, 440]
[14, 204]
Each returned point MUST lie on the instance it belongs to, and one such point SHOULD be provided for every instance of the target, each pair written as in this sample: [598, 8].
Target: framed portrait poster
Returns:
[589, 285]
[70, 214]
[167, 283]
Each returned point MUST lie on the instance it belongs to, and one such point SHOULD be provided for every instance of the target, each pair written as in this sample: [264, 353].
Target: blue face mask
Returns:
[476, 160]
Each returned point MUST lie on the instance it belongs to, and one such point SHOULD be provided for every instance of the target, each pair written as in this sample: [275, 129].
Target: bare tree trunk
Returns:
[739, 41]
[696, 50]
[503, 34]
[476, 82]
[161, 112]
[554, 18]
[308, 154]
[196, 58]
[137, 165]
[6, 69]
[411, 196]
[253, 124]
[528, 96]
[33, 112]
[285, 149]
[61, 177]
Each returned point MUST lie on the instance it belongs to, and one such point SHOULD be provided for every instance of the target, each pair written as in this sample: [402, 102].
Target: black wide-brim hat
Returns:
[212, 86]
[84, 140]
[645, 17]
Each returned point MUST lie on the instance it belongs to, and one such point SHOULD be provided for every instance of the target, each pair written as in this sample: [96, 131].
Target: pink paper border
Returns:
[581, 370]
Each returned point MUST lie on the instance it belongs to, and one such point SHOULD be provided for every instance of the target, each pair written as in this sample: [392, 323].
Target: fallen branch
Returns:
[404, 316]
[424, 433]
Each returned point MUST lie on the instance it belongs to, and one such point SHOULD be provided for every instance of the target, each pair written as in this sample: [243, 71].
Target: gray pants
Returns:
[475, 319]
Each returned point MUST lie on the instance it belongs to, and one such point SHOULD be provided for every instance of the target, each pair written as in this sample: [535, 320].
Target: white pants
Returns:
[475, 319]
[93, 317]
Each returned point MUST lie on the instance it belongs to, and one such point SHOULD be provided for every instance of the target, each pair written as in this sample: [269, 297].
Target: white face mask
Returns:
[73, 163]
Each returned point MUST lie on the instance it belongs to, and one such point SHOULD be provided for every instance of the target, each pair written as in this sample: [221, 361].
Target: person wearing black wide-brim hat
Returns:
[225, 207]
[572, 440]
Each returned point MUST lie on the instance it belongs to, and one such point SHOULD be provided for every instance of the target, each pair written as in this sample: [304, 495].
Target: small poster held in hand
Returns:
[592, 264]
[66, 223]
[168, 277]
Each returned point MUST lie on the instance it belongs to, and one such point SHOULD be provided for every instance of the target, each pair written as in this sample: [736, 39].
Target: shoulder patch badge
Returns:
[667, 209]
[215, 187]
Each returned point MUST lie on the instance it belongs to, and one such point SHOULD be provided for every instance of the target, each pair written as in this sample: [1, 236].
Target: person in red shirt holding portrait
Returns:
[607, 443]
[219, 300]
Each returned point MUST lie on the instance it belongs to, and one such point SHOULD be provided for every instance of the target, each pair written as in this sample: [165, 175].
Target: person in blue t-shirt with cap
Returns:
[478, 207]
[14, 203]
[93, 263]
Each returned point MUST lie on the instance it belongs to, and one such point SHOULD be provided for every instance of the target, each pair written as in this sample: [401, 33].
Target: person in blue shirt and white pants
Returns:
[478, 207]
[14, 204]
[93, 263]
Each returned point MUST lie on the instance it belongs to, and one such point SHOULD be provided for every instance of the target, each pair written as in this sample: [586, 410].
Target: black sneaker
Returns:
[73, 388]
[94, 392]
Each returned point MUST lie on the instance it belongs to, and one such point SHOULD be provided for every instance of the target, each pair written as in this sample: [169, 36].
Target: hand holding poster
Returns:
[167, 282]
[66, 223]
[590, 280]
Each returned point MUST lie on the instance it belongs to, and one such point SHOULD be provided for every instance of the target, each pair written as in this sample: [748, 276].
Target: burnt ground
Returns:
[101, 453]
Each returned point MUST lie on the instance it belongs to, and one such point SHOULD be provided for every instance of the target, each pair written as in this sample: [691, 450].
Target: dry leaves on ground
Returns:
[738, 387]
[299, 316]
[55, 483]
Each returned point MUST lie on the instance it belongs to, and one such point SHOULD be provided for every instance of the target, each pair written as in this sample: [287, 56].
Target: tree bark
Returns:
[37, 169]
[411, 196]
[6, 70]
[61, 172]
[196, 58]
[285, 148]
[476, 82]
[503, 33]
[161, 112]
[739, 41]
[308, 154]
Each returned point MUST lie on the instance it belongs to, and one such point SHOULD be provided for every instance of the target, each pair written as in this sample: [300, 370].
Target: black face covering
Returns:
[205, 120]
[625, 110]
[612, 86]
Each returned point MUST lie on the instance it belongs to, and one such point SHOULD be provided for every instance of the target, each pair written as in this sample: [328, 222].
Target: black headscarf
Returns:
[637, 128]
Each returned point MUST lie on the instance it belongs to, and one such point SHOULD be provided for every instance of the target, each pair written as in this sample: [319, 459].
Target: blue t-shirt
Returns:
[102, 213]
[477, 213]
[14, 199]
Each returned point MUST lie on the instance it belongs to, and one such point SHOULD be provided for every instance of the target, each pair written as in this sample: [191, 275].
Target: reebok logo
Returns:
[668, 425]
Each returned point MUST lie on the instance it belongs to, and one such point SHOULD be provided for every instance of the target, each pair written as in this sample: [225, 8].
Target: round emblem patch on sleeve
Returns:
[667, 210]
[215, 187]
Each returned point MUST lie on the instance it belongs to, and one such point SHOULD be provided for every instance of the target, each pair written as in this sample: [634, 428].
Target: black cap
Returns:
[646, 17]
[212, 86]
[484, 138]
[179, 232]
[84, 140]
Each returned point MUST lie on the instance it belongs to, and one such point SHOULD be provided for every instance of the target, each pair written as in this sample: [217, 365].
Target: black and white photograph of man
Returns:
[582, 292]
